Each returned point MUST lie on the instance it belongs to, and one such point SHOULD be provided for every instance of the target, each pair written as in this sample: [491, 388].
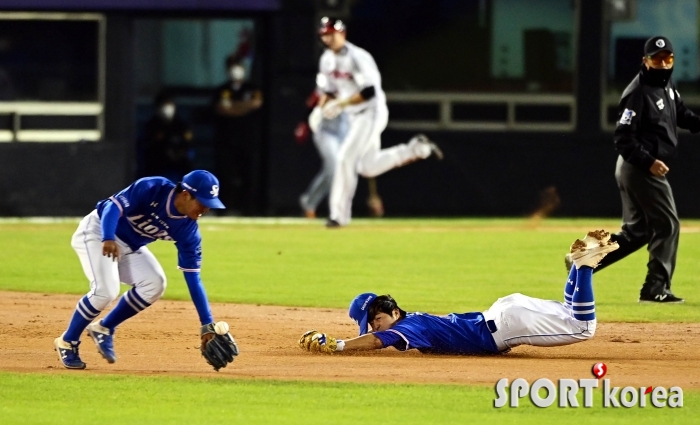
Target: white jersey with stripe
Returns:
[348, 72]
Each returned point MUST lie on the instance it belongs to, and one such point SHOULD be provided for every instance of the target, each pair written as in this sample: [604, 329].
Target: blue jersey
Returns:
[465, 333]
[148, 213]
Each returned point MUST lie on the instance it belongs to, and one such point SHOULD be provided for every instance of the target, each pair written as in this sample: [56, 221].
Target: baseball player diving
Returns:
[111, 245]
[511, 321]
[353, 80]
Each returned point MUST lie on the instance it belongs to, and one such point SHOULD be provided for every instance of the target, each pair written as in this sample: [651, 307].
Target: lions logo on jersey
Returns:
[627, 115]
[147, 227]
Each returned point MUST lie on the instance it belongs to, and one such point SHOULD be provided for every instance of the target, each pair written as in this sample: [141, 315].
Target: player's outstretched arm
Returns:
[364, 342]
[315, 341]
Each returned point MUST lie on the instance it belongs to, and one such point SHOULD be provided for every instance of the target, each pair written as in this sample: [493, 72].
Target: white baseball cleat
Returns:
[597, 237]
[433, 149]
[592, 249]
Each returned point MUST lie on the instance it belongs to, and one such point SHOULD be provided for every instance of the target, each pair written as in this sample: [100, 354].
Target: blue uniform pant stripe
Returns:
[127, 307]
[132, 303]
[570, 286]
[136, 299]
[82, 312]
[85, 303]
[583, 304]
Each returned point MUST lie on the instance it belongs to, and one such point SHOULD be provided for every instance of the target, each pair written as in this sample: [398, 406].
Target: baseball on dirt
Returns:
[221, 328]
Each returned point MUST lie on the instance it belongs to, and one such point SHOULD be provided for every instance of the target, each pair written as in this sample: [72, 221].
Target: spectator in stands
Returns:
[168, 142]
[237, 142]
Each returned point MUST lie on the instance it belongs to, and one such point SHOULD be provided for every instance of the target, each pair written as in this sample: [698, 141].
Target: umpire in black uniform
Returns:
[650, 110]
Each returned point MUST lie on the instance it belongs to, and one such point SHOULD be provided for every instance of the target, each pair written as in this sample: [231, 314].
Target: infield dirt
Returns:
[163, 340]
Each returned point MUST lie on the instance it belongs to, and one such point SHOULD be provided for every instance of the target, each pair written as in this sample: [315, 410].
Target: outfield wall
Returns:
[485, 173]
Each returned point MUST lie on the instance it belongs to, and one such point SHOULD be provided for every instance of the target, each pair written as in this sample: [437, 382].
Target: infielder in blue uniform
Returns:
[511, 321]
[111, 244]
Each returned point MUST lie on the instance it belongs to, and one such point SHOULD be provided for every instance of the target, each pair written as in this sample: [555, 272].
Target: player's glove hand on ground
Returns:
[218, 346]
[315, 341]
[332, 109]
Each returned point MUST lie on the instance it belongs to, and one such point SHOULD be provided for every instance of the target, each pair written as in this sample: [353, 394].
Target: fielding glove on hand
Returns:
[305, 339]
[315, 341]
[218, 350]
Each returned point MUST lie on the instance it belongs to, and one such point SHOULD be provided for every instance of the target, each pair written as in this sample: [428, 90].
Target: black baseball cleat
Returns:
[664, 298]
[332, 224]
[435, 150]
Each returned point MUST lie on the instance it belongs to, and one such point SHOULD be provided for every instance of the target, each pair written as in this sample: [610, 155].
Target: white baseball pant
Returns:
[531, 321]
[139, 268]
[361, 154]
[327, 140]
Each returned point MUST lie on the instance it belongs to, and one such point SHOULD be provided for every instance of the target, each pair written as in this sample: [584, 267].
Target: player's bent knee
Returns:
[103, 297]
[154, 289]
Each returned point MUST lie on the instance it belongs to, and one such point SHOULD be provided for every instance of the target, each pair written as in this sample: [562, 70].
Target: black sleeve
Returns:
[367, 93]
[685, 117]
[627, 144]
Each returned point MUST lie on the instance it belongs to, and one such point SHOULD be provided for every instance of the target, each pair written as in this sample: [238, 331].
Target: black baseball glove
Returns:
[219, 350]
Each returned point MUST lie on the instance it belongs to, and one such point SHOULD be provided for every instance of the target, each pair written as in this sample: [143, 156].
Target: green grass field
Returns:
[437, 266]
[43, 399]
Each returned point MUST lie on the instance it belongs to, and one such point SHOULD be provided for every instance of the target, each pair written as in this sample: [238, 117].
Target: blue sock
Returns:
[583, 305]
[82, 316]
[570, 286]
[128, 306]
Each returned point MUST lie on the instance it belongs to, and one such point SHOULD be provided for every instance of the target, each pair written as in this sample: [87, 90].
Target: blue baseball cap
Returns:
[205, 187]
[358, 310]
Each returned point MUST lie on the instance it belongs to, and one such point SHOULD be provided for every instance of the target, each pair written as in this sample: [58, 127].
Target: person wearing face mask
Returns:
[646, 140]
[237, 142]
[168, 142]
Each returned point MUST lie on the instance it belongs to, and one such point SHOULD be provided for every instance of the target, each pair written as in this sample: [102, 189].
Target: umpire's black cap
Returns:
[656, 44]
